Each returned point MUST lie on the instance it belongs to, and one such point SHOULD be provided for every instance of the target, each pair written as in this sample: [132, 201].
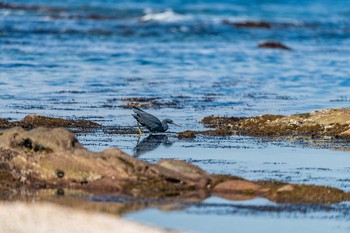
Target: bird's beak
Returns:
[176, 124]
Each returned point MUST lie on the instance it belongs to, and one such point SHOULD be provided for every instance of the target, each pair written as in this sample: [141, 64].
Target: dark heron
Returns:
[150, 122]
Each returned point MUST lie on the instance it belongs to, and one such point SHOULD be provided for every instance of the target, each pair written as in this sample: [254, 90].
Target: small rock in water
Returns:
[273, 45]
[186, 134]
[249, 24]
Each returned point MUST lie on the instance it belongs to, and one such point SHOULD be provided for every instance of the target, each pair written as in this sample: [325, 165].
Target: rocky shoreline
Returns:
[39, 159]
[44, 158]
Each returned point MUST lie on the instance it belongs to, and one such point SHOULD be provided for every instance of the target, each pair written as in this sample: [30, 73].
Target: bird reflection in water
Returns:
[151, 143]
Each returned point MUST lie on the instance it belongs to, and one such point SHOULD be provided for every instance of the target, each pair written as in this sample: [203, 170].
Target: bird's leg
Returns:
[138, 139]
[139, 128]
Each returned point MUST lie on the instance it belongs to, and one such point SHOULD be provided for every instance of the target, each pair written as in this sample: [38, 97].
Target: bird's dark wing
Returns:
[147, 120]
[137, 118]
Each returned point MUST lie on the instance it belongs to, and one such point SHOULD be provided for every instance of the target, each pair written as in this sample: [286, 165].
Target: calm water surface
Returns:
[77, 59]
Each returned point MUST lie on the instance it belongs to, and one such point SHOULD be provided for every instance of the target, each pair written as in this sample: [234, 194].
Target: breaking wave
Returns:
[168, 16]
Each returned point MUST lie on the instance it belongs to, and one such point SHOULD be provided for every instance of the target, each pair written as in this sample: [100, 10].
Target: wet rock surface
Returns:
[33, 121]
[330, 124]
[45, 158]
[53, 158]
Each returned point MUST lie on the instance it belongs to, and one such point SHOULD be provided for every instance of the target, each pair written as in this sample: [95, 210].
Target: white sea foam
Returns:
[168, 16]
[4, 13]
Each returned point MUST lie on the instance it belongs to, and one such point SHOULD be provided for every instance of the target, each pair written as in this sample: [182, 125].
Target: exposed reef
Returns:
[33, 121]
[328, 124]
[44, 158]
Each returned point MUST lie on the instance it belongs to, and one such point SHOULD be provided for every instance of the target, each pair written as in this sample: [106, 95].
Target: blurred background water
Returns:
[78, 58]
[86, 53]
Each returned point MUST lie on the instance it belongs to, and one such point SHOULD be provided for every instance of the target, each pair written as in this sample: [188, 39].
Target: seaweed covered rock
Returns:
[33, 121]
[297, 193]
[325, 123]
[186, 134]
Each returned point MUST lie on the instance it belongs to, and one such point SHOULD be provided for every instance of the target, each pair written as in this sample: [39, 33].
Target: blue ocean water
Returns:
[76, 50]
[78, 58]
